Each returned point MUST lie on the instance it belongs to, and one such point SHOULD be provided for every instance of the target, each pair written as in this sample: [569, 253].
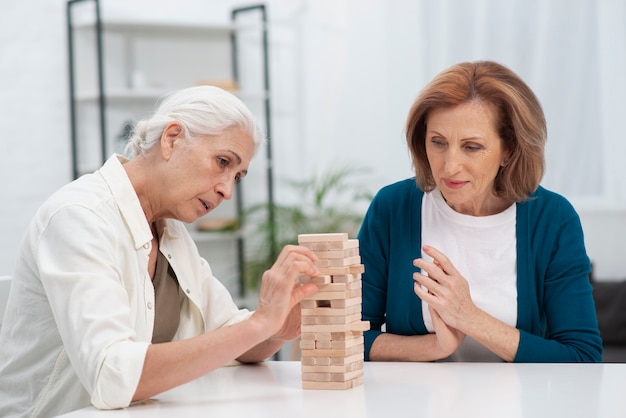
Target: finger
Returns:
[440, 259]
[288, 250]
[300, 291]
[423, 292]
[429, 269]
[294, 259]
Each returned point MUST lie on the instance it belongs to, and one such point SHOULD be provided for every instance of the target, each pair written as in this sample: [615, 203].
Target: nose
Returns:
[452, 163]
[225, 188]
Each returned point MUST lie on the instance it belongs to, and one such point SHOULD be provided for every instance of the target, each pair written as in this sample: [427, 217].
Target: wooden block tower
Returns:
[331, 343]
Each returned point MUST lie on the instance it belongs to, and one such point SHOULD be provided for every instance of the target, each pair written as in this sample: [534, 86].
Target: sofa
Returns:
[610, 299]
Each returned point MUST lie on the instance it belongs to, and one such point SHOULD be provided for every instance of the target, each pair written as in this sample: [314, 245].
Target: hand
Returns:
[447, 338]
[446, 290]
[280, 293]
[291, 327]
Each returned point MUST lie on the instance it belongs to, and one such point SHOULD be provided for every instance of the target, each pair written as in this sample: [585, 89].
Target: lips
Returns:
[454, 184]
[205, 204]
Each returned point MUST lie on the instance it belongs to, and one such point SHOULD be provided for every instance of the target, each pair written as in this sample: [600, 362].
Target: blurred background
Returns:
[342, 76]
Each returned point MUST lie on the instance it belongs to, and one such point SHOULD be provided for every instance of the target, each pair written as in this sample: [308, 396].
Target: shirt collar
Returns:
[127, 200]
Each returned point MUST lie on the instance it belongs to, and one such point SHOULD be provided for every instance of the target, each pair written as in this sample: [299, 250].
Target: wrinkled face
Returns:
[465, 153]
[201, 173]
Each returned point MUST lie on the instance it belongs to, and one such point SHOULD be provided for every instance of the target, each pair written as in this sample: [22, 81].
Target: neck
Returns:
[136, 170]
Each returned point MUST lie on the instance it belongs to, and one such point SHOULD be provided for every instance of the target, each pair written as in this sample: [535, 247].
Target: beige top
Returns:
[167, 299]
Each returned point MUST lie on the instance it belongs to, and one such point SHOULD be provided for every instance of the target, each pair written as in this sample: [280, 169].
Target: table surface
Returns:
[503, 390]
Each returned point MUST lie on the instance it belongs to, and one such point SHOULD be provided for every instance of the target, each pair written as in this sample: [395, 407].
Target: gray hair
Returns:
[202, 110]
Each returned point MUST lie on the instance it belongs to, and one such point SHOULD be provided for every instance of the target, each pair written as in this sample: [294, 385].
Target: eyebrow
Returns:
[235, 155]
[469, 138]
[238, 160]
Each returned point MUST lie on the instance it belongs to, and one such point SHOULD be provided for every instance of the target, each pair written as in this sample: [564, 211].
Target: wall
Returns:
[343, 75]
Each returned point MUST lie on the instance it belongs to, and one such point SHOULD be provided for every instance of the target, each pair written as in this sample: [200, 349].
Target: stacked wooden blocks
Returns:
[331, 343]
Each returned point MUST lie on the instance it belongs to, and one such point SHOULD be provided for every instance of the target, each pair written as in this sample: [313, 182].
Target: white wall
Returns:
[344, 73]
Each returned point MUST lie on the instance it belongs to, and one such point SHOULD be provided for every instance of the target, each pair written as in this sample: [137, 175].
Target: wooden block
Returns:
[337, 262]
[332, 271]
[310, 336]
[342, 319]
[315, 361]
[346, 343]
[308, 361]
[322, 262]
[348, 252]
[308, 320]
[339, 336]
[340, 368]
[333, 385]
[331, 246]
[352, 326]
[343, 303]
[322, 336]
[329, 237]
[330, 295]
[346, 376]
[343, 245]
[323, 345]
[346, 278]
[340, 287]
[345, 352]
[318, 280]
[316, 377]
[357, 269]
[328, 311]
[307, 344]
[322, 361]
[308, 304]
[346, 360]
[333, 320]
[340, 262]
[359, 326]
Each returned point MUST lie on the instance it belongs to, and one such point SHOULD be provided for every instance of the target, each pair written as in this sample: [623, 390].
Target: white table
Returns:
[273, 389]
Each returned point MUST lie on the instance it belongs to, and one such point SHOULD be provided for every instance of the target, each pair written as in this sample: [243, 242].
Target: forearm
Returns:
[262, 351]
[495, 335]
[168, 365]
[393, 347]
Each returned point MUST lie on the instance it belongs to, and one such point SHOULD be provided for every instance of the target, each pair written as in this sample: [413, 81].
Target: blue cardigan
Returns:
[555, 308]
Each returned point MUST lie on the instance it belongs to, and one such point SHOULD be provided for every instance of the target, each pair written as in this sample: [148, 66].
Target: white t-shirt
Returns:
[483, 250]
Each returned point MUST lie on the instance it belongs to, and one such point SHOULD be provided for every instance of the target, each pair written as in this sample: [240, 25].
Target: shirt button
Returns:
[169, 256]
[149, 305]
[146, 246]
[188, 291]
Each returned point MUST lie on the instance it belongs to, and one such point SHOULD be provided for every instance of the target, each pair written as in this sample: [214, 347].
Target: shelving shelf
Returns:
[121, 83]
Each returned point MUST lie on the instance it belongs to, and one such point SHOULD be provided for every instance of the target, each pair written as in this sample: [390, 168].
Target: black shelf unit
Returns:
[102, 107]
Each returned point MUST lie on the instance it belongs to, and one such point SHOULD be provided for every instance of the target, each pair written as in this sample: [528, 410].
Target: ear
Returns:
[507, 158]
[172, 133]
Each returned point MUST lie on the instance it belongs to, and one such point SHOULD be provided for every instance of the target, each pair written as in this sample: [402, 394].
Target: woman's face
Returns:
[465, 153]
[201, 173]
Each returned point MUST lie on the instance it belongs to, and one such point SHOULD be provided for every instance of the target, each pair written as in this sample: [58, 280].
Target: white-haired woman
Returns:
[110, 301]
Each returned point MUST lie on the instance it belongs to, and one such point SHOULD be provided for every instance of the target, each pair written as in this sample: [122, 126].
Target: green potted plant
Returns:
[327, 203]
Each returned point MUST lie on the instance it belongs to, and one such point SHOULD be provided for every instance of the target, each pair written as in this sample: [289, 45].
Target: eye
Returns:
[473, 147]
[437, 142]
[223, 162]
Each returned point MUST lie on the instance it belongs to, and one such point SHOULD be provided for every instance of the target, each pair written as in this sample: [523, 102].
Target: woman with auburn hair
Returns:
[472, 260]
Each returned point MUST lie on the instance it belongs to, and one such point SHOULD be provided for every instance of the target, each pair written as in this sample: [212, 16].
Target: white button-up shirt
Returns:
[80, 315]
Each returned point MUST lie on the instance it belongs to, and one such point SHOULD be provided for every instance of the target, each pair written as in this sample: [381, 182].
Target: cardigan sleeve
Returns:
[555, 282]
[373, 247]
